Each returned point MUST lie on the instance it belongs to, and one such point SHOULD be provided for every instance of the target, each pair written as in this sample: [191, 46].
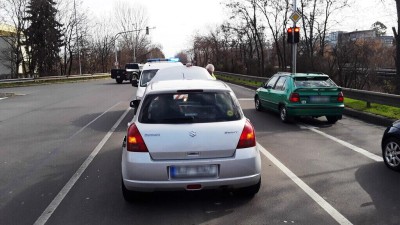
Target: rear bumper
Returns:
[315, 110]
[141, 173]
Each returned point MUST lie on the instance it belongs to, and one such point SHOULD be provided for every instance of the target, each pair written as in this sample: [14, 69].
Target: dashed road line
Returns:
[336, 215]
[344, 143]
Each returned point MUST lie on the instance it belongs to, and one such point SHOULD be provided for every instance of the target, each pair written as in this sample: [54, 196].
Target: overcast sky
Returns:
[176, 21]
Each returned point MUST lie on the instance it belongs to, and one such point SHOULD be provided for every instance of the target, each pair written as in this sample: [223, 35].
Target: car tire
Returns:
[119, 81]
[249, 191]
[332, 119]
[283, 115]
[391, 153]
[257, 103]
[134, 196]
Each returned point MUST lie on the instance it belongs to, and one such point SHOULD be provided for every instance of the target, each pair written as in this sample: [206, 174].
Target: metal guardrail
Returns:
[367, 96]
[41, 79]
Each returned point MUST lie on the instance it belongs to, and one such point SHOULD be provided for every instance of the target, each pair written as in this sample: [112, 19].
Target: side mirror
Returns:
[134, 83]
[135, 105]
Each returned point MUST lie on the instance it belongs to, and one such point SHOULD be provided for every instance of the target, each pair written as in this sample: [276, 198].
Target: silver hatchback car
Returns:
[189, 135]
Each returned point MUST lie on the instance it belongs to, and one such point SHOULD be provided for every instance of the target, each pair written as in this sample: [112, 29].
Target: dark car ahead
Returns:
[301, 94]
[391, 146]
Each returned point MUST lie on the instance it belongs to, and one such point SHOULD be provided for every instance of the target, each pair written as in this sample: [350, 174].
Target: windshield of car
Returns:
[191, 107]
[312, 82]
[146, 76]
[132, 66]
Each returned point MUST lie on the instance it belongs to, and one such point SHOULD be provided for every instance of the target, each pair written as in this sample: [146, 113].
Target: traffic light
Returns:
[147, 31]
[296, 34]
[290, 35]
[293, 31]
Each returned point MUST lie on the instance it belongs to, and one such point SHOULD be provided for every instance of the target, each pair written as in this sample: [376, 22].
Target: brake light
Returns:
[135, 140]
[248, 136]
[294, 97]
[340, 97]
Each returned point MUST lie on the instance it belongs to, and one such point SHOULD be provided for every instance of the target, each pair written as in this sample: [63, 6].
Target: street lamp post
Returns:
[134, 47]
[77, 41]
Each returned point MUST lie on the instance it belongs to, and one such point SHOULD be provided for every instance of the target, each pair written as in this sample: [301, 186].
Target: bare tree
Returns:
[132, 18]
[102, 46]
[316, 15]
[397, 38]
[75, 27]
[276, 14]
[246, 10]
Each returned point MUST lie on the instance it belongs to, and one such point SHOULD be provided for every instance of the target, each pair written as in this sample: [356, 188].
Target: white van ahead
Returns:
[149, 71]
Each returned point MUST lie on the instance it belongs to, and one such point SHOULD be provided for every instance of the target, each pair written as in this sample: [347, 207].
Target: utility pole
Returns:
[77, 41]
[294, 45]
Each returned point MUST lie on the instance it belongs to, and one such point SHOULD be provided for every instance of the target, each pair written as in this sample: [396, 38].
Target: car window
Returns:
[191, 107]
[271, 82]
[280, 85]
[305, 82]
[146, 76]
[131, 66]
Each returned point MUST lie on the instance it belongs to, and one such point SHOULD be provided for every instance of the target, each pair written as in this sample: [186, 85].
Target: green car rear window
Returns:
[305, 82]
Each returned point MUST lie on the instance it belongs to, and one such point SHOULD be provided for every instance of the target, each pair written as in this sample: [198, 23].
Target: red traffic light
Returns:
[293, 35]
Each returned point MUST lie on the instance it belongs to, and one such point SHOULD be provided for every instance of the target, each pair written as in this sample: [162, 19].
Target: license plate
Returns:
[319, 99]
[203, 171]
[118, 76]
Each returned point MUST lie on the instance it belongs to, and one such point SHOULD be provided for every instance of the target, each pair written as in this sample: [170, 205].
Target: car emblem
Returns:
[192, 134]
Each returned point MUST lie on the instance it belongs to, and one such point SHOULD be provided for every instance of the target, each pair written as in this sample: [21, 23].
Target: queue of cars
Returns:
[189, 131]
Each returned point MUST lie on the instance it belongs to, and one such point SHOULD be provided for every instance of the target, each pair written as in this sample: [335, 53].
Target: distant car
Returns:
[301, 94]
[391, 146]
[119, 75]
[189, 135]
[149, 71]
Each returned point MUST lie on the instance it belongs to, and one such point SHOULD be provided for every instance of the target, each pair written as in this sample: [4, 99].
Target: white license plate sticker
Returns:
[203, 171]
[319, 99]
[118, 76]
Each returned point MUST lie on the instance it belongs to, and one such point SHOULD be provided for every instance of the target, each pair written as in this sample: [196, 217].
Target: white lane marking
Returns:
[3, 98]
[336, 215]
[68, 186]
[246, 99]
[346, 144]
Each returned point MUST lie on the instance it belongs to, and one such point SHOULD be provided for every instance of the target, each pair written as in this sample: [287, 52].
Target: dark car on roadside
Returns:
[391, 146]
[301, 94]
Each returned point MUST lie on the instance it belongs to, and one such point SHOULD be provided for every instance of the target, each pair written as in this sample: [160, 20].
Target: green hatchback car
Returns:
[301, 94]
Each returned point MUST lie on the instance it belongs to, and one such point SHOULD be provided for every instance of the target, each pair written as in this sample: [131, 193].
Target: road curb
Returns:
[369, 117]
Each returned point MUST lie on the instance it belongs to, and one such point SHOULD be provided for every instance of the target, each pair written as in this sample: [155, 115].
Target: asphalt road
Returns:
[313, 172]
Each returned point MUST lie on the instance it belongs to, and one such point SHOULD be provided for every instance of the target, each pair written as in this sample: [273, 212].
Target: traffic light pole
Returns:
[294, 45]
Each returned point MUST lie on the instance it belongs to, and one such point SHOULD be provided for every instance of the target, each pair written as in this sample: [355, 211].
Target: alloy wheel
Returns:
[392, 152]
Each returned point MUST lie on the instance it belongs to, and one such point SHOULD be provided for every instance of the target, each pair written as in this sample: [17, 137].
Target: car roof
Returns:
[160, 65]
[182, 73]
[176, 85]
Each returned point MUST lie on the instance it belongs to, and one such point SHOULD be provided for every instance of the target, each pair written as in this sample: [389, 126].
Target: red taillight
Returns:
[248, 136]
[135, 142]
[294, 97]
[340, 97]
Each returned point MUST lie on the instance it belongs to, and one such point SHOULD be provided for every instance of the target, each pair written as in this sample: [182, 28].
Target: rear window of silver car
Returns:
[312, 82]
[189, 107]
